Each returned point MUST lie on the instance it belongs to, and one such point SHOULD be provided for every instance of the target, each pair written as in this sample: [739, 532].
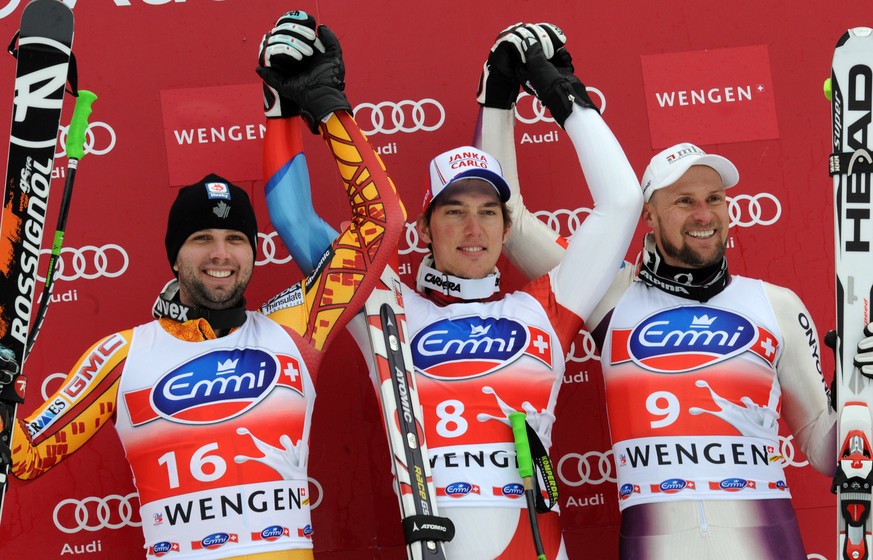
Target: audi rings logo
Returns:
[390, 117]
[99, 139]
[587, 347]
[530, 110]
[563, 222]
[594, 467]
[94, 513]
[89, 262]
[786, 449]
[412, 241]
[9, 8]
[315, 488]
[268, 250]
[761, 209]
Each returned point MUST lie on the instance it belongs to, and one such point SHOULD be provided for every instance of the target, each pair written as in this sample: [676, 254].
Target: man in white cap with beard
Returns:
[699, 365]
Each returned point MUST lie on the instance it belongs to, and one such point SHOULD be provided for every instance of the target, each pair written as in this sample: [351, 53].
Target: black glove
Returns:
[8, 367]
[284, 48]
[316, 87]
[864, 358]
[502, 72]
[830, 340]
[554, 84]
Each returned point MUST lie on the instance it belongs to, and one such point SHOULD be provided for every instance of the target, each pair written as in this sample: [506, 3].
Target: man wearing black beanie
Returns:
[212, 403]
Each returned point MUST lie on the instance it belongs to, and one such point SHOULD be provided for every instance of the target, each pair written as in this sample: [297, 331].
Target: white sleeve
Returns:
[533, 247]
[805, 405]
[597, 248]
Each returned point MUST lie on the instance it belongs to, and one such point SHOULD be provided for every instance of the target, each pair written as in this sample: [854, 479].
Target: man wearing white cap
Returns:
[480, 355]
[699, 365]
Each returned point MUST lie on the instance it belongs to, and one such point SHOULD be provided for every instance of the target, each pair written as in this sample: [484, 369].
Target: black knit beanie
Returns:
[211, 203]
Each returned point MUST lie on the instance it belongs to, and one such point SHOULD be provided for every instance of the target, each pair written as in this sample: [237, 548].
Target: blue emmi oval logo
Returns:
[458, 489]
[513, 489]
[215, 540]
[673, 485]
[272, 533]
[467, 347]
[215, 386]
[733, 484]
[686, 338]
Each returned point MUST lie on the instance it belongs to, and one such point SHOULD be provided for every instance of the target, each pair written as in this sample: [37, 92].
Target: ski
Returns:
[851, 165]
[423, 530]
[44, 43]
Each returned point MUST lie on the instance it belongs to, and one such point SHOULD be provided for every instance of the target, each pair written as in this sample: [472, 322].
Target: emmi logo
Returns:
[215, 386]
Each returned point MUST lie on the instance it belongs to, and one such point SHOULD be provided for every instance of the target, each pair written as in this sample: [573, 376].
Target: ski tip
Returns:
[827, 89]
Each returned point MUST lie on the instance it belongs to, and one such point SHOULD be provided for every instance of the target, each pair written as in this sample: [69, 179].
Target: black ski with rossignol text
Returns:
[44, 48]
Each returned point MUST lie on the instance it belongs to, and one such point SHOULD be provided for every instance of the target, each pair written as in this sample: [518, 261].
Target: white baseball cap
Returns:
[465, 162]
[668, 166]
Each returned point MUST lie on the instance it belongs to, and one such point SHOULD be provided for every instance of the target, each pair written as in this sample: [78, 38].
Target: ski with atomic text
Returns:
[423, 529]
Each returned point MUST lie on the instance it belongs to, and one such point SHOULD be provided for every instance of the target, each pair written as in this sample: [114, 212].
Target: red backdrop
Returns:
[178, 97]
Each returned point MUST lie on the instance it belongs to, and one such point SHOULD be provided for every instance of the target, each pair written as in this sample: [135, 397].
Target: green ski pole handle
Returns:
[522, 446]
[525, 468]
[75, 148]
[79, 125]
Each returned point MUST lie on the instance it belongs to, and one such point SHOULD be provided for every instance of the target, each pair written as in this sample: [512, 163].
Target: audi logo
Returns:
[530, 110]
[561, 218]
[390, 117]
[54, 380]
[747, 210]
[594, 467]
[94, 513]
[9, 8]
[89, 262]
[786, 449]
[107, 141]
[268, 248]
[412, 241]
[589, 349]
[314, 502]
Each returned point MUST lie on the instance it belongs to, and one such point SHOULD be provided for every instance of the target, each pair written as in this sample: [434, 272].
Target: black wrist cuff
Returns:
[427, 528]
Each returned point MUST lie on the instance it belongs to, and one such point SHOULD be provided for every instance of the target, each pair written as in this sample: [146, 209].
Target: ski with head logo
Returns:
[44, 42]
[851, 166]
[423, 529]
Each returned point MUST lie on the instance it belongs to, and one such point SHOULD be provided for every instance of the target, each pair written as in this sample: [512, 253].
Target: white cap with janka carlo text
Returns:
[669, 165]
[465, 162]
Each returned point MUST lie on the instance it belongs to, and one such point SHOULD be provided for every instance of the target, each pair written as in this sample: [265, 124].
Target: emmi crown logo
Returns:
[467, 347]
[215, 386]
[684, 338]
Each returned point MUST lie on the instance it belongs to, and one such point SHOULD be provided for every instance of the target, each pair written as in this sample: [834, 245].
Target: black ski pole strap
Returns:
[72, 70]
[850, 163]
[545, 472]
[427, 528]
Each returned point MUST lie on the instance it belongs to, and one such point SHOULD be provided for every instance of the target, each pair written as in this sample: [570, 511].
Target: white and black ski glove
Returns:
[501, 79]
[864, 358]
[317, 85]
[553, 82]
[284, 48]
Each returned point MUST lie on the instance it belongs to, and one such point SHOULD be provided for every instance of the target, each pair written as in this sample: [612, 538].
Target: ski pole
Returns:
[75, 152]
[525, 469]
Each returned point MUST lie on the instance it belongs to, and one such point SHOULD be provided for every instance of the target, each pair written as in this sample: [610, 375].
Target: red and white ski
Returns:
[851, 165]
[423, 529]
